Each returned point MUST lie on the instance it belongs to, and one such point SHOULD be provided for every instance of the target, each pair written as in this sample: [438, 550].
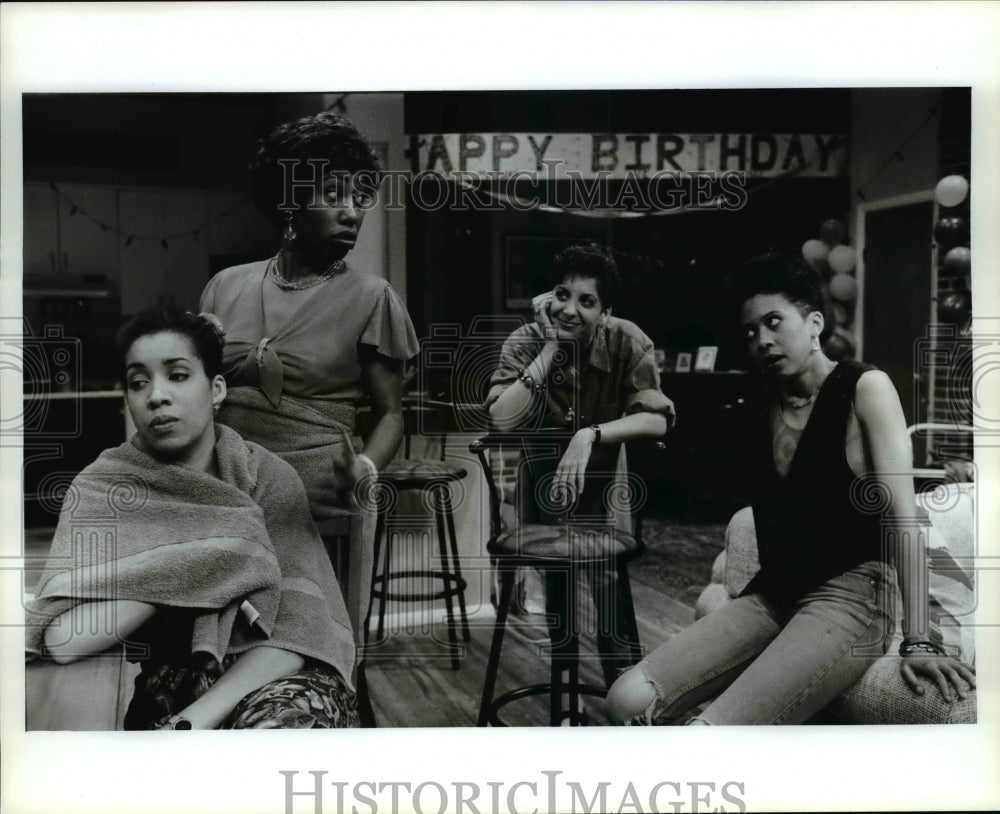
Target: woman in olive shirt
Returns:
[591, 380]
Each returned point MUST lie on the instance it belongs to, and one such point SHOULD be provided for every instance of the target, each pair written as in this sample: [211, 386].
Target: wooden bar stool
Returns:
[570, 549]
[432, 478]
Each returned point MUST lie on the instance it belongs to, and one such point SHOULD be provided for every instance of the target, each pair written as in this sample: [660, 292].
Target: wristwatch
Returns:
[177, 722]
[597, 432]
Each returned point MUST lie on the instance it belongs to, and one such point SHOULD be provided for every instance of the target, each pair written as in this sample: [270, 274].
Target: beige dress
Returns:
[294, 373]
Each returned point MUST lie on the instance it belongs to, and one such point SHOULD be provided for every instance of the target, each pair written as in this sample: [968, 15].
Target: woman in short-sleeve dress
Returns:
[308, 336]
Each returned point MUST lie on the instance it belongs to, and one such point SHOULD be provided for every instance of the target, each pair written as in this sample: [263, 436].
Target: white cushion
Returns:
[951, 551]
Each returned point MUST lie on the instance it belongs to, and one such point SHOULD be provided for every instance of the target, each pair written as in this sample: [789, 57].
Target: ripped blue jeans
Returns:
[769, 666]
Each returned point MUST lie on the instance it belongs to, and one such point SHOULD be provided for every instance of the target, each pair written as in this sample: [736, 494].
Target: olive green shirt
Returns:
[615, 376]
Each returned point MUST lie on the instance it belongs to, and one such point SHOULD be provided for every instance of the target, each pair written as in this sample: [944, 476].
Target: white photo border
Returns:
[85, 47]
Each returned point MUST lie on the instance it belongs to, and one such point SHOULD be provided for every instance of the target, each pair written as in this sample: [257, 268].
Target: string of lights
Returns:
[130, 237]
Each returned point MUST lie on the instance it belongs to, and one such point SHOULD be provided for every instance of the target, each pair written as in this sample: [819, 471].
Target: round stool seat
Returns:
[540, 544]
[454, 586]
[416, 473]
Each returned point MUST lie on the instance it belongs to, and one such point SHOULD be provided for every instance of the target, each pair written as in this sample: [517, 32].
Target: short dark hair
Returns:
[774, 273]
[586, 260]
[199, 331]
[326, 136]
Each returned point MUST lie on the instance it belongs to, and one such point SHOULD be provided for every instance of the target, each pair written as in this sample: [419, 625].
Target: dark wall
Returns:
[201, 141]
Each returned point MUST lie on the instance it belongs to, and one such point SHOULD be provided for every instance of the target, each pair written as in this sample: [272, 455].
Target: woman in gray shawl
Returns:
[210, 570]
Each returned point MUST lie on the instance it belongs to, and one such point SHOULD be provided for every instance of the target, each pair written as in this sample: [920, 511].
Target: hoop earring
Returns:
[289, 236]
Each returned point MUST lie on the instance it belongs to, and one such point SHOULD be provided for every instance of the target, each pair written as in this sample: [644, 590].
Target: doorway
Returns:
[896, 285]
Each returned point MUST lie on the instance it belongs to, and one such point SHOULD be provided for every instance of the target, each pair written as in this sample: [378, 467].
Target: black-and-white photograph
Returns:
[497, 408]
[272, 238]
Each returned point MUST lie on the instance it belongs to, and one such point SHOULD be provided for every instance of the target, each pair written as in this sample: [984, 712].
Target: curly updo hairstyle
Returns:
[324, 136]
[590, 261]
[207, 343]
[774, 273]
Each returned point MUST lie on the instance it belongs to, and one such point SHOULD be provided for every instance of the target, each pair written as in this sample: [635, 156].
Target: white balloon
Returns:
[842, 259]
[951, 190]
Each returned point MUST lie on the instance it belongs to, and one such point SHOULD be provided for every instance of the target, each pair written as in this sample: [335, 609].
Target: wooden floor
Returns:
[411, 680]
[412, 683]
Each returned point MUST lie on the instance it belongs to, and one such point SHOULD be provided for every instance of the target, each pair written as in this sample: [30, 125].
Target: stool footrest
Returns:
[457, 586]
[544, 689]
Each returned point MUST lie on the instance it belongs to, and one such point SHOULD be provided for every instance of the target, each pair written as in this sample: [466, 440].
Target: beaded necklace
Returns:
[297, 285]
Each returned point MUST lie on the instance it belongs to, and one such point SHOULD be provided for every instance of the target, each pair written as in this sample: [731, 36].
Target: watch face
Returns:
[182, 723]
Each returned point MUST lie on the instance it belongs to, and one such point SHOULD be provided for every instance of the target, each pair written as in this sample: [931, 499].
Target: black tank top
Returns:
[815, 522]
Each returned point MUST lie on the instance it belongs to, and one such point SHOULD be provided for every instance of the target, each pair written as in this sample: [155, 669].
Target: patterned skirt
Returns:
[315, 697]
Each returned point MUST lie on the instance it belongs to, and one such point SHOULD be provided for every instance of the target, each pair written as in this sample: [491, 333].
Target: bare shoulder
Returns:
[875, 384]
[875, 396]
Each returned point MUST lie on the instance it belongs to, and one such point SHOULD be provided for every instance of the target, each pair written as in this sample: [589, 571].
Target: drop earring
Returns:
[289, 236]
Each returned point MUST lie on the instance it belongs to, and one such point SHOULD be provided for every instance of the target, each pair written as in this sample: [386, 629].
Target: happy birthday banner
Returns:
[555, 156]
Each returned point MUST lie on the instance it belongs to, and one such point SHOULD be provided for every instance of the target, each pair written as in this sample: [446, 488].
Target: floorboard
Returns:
[413, 685]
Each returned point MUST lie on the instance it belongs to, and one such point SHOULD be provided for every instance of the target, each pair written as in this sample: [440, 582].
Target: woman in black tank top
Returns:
[815, 616]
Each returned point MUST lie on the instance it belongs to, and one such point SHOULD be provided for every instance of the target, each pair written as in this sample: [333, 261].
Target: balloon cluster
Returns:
[836, 262]
[951, 234]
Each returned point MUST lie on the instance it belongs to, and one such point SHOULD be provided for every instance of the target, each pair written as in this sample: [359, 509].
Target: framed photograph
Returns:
[704, 362]
[526, 259]
[683, 363]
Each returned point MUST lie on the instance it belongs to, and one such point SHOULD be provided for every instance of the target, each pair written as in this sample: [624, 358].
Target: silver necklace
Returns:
[297, 285]
[794, 403]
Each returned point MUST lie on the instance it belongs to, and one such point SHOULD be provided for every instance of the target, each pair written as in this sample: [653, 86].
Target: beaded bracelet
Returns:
[909, 648]
[529, 382]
